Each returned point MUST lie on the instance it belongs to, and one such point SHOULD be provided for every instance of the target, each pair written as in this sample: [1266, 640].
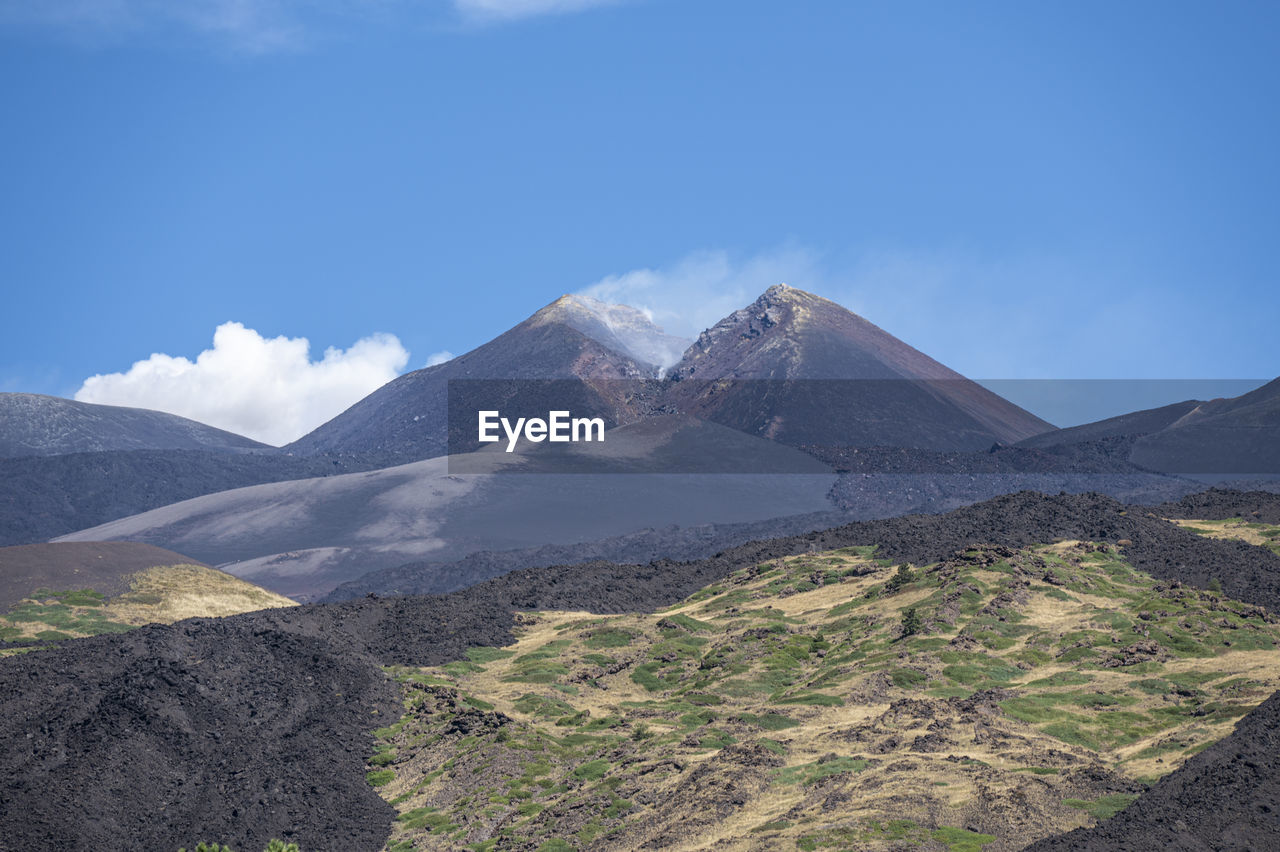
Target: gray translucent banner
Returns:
[946, 426]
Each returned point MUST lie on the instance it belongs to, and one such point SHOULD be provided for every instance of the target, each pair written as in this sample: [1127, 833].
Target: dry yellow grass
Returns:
[189, 591]
[160, 595]
[1231, 529]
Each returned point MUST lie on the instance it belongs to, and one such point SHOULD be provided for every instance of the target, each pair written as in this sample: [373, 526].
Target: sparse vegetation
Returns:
[164, 594]
[1104, 807]
[901, 577]
[1263, 535]
[815, 673]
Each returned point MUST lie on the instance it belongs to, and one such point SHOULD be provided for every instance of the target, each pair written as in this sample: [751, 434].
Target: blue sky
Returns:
[1021, 190]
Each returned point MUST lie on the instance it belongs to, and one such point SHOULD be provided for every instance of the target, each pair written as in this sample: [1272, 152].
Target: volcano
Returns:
[791, 367]
[799, 369]
[594, 345]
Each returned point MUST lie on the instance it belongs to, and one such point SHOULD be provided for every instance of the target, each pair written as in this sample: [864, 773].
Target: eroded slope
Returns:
[830, 700]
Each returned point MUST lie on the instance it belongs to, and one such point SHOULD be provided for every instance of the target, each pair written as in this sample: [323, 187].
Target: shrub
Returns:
[911, 622]
[901, 577]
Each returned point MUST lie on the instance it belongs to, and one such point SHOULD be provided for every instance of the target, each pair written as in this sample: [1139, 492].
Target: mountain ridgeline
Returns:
[1239, 436]
[35, 425]
[799, 370]
[406, 418]
[791, 370]
[823, 375]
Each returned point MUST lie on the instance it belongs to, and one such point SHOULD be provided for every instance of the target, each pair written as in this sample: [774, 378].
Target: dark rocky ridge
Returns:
[166, 736]
[1128, 426]
[891, 494]
[1218, 504]
[1238, 436]
[232, 728]
[1100, 456]
[35, 425]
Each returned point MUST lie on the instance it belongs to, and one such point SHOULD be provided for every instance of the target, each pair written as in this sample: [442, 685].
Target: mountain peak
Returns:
[785, 296]
[781, 293]
[622, 328]
[790, 334]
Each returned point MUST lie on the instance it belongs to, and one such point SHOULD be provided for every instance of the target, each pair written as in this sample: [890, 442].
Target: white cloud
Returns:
[250, 26]
[266, 389]
[257, 26]
[509, 10]
[706, 286]
[438, 358]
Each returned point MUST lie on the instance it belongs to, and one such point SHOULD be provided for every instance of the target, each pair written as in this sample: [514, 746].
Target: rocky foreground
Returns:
[260, 725]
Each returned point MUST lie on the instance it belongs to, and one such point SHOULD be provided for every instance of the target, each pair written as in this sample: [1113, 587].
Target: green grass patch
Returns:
[478, 654]
[1103, 807]
[907, 678]
[807, 773]
[380, 777]
[592, 770]
[541, 706]
[608, 637]
[1062, 679]
[557, 844]
[1074, 733]
[962, 840]
[83, 597]
[768, 721]
[646, 676]
[429, 819]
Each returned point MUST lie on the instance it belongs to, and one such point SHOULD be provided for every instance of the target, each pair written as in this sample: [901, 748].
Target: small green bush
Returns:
[911, 622]
[903, 576]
